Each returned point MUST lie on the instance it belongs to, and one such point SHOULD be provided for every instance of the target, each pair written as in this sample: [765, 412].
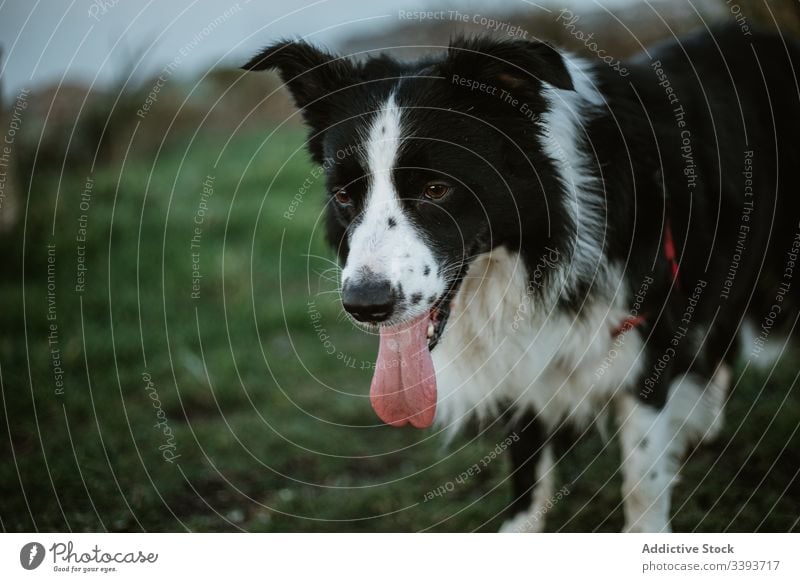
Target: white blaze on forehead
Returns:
[384, 240]
[383, 142]
[369, 241]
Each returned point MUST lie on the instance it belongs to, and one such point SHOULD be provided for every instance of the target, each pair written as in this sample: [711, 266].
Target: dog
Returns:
[540, 238]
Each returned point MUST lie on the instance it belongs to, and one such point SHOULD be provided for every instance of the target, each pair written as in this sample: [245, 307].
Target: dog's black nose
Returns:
[369, 300]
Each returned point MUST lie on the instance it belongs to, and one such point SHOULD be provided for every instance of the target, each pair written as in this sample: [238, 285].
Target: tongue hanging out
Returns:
[404, 385]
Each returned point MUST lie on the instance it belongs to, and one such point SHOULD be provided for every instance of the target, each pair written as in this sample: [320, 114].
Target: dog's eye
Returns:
[436, 191]
[342, 197]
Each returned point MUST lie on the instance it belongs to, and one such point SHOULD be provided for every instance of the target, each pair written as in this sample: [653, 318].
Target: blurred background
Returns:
[172, 352]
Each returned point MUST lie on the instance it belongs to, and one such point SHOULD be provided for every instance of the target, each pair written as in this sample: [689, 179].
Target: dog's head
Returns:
[427, 165]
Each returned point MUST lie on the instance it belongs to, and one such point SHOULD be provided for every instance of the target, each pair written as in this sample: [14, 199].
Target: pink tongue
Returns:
[404, 385]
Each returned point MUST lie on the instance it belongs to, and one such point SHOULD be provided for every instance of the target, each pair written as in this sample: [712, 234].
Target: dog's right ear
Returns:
[510, 64]
[310, 74]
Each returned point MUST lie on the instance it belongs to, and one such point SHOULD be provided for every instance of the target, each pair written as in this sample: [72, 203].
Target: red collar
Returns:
[669, 253]
[628, 324]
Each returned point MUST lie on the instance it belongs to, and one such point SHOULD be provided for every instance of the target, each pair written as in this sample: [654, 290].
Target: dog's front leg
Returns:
[647, 467]
[532, 477]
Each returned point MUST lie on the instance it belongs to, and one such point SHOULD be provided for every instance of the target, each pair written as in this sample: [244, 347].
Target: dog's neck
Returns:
[566, 140]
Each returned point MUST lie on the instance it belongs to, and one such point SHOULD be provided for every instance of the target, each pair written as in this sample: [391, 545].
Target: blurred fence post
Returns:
[8, 194]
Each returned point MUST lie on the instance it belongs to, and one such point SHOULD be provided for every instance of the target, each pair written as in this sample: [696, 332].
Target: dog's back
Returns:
[717, 137]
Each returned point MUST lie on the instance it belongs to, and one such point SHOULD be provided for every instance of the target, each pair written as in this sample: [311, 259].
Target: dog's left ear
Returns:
[511, 64]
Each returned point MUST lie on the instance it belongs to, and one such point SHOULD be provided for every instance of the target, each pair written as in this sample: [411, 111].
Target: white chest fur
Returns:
[501, 347]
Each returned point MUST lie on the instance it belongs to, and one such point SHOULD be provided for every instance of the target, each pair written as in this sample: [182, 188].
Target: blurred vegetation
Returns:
[272, 432]
[621, 31]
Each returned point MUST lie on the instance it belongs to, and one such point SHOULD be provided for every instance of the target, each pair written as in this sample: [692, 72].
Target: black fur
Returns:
[525, 454]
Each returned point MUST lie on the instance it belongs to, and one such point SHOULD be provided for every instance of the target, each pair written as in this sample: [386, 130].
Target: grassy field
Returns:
[244, 407]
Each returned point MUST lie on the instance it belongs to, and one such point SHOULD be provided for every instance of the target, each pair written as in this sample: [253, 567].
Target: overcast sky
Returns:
[44, 41]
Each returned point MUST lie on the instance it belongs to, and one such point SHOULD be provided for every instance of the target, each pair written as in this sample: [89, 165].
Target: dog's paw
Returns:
[648, 524]
[523, 523]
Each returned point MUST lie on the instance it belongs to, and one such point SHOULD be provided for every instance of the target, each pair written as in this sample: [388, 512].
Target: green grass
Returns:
[273, 432]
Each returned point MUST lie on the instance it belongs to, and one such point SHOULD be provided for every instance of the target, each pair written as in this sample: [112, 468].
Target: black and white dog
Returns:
[537, 235]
